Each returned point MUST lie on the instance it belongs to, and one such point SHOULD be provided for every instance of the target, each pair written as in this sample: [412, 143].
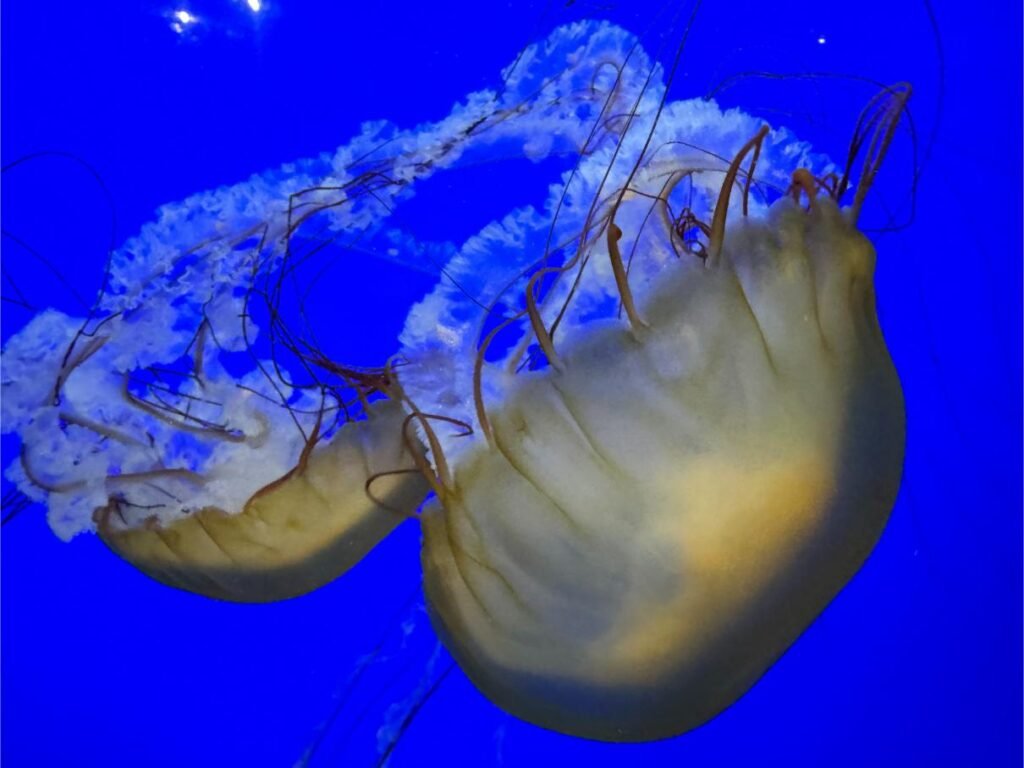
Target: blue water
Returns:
[916, 663]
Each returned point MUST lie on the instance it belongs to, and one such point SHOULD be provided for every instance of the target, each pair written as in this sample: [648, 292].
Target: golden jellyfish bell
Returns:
[297, 534]
[656, 517]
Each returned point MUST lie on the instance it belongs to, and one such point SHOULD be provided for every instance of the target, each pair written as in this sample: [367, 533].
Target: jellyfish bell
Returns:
[657, 415]
[295, 534]
[649, 521]
[653, 523]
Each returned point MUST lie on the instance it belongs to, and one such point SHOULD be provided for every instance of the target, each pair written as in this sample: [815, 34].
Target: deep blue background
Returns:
[917, 662]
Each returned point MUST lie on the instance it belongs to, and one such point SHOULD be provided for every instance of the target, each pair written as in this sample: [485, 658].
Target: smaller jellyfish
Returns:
[658, 417]
[236, 460]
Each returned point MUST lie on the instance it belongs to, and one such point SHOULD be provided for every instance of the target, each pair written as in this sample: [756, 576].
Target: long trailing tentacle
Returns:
[619, 269]
[876, 125]
[717, 236]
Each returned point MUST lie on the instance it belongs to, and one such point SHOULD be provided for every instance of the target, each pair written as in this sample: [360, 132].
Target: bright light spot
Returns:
[821, 40]
[181, 20]
[254, 5]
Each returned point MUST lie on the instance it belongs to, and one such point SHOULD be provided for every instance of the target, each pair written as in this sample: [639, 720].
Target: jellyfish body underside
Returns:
[662, 517]
[299, 533]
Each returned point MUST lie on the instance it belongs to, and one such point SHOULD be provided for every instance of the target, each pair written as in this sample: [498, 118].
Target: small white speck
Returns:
[821, 40]
[184, 17]
[254, 5]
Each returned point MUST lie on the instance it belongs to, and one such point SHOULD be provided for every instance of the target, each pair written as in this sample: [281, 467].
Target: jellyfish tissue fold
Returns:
[649, 428]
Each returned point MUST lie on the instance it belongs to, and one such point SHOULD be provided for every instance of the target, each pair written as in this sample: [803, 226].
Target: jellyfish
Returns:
[649, 431]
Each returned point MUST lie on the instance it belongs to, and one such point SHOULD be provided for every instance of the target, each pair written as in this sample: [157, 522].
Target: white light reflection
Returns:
[182, 20]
